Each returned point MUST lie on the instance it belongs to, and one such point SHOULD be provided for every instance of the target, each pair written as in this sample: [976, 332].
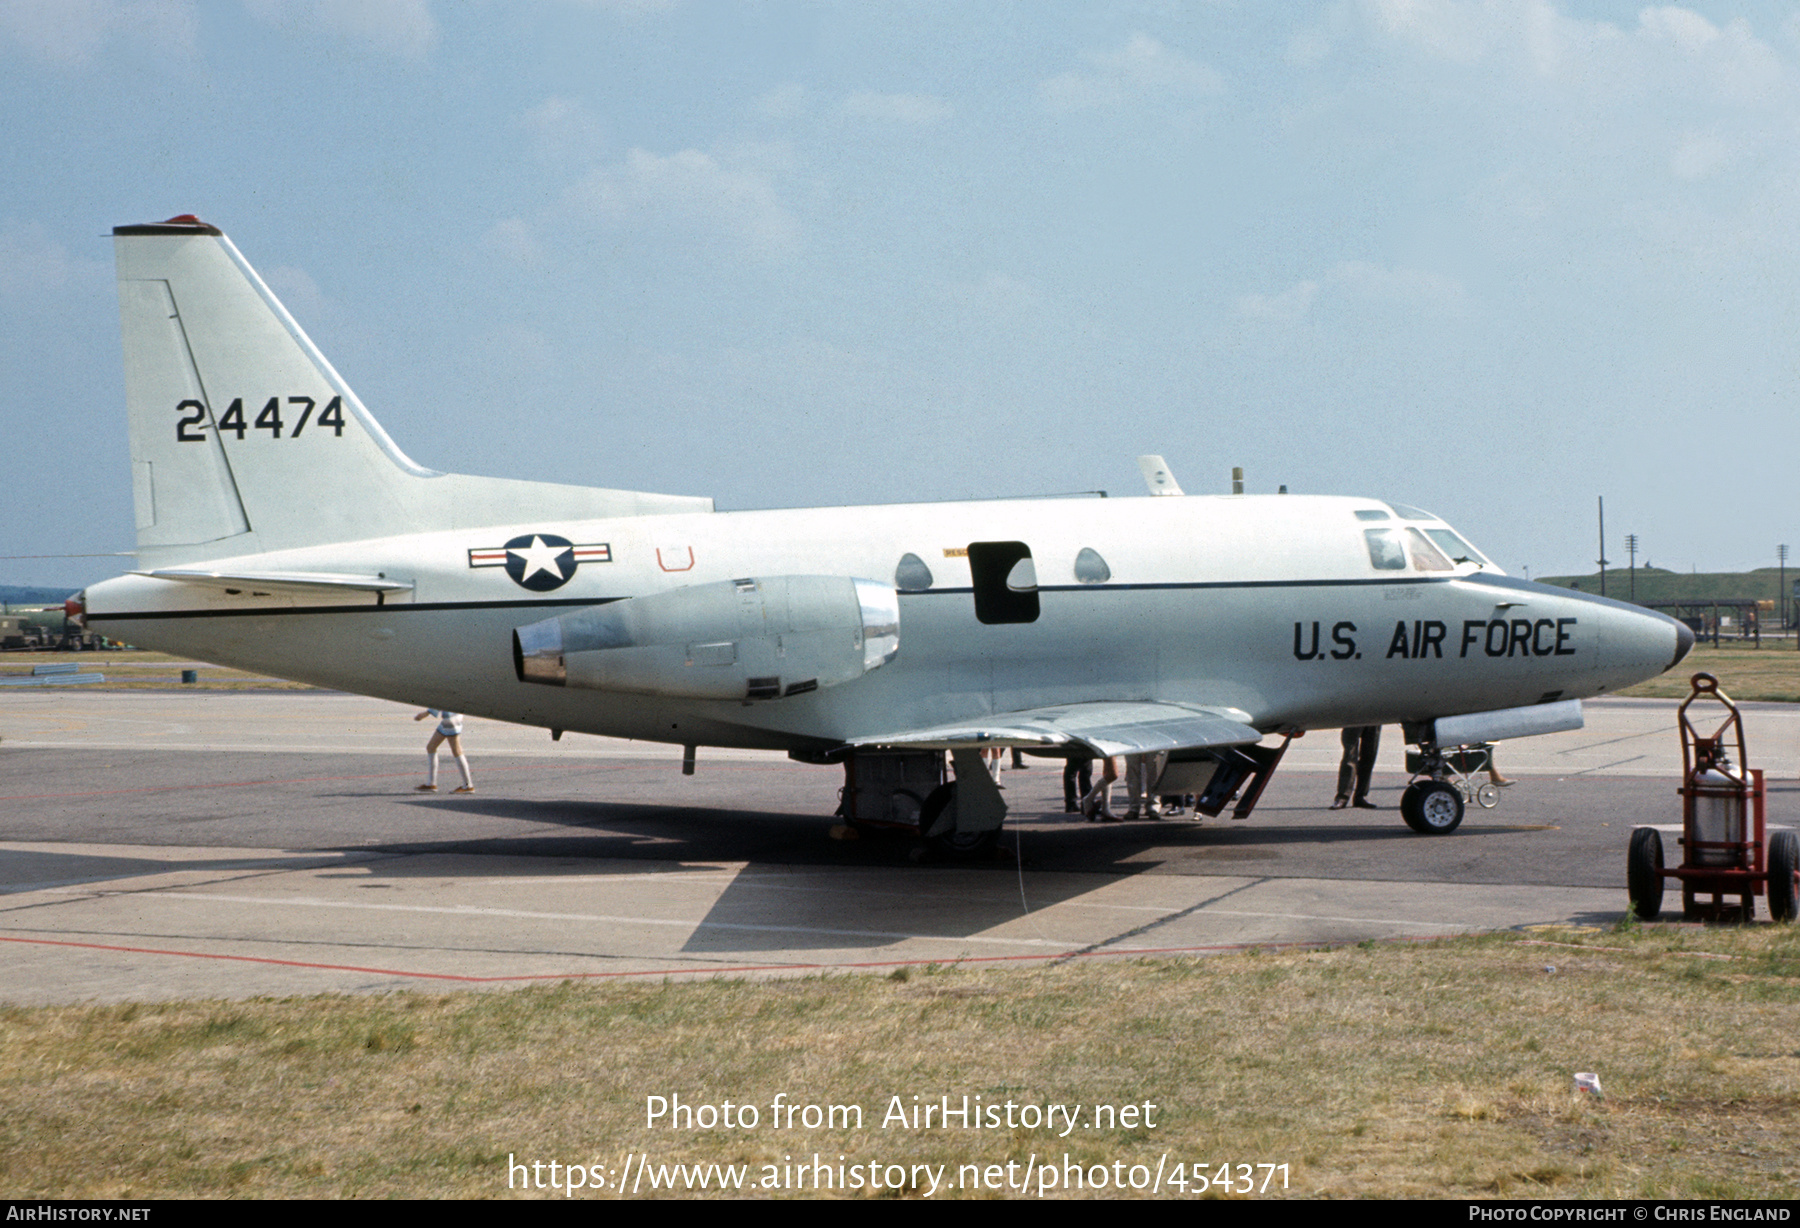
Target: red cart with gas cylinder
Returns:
[1727, 850]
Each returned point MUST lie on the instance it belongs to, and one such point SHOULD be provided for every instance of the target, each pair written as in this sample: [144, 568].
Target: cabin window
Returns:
[1005, 581]
[1385, 551]
[1459, 550]
[1090, 568]
[1426, 557]
[912, 576]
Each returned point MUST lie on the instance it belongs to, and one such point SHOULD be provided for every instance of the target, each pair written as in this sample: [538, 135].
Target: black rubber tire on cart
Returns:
[1432, 807]
[952, 844]
[1643, 873]
[1784, 862]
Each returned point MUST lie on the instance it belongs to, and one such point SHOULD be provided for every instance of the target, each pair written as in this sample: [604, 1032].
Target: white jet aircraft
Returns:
[280, 530]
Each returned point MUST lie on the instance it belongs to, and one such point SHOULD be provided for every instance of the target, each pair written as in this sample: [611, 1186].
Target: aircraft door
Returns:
[1005, 581]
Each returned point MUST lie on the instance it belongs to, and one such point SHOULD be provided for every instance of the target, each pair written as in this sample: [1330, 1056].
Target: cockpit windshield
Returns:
[1459, 550]
[1425, 548]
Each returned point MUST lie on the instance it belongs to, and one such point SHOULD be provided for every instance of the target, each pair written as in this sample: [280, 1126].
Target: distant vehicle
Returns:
[281, 530]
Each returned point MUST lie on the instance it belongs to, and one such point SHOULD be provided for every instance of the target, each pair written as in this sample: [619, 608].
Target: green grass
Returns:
[135, 670]
[1376, 1070]
[1745, 672]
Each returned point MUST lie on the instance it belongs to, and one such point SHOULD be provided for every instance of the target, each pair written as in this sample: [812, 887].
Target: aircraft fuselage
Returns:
[1270, 606]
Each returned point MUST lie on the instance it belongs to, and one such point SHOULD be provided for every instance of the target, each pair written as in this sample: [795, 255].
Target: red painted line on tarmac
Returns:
[690, 971]
[486, 770]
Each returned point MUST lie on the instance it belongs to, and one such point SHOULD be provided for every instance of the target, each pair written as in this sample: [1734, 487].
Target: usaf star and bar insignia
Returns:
[540, 561]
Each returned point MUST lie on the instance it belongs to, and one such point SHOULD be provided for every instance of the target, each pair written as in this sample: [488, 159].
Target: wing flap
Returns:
[1123, 728]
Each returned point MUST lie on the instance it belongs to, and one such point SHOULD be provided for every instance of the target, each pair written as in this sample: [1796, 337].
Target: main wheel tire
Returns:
[1409, 804]
[1437, 808]
[957, 845]
[1784, 863]
[906, 806]
[1643, 873]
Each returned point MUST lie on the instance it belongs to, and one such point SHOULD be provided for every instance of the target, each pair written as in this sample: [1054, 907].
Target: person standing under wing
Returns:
[1361, 742]
[449, 729]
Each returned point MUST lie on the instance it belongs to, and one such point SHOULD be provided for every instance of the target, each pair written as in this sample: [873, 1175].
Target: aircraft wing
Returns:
[1124, 728]
[307, 583]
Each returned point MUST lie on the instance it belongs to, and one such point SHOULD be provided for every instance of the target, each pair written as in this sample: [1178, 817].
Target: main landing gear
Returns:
[939, 828]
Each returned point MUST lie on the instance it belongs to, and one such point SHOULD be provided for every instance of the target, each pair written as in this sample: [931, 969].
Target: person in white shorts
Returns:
[449, 729]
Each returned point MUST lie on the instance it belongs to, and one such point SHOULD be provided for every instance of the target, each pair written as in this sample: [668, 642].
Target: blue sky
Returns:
[1492, 259]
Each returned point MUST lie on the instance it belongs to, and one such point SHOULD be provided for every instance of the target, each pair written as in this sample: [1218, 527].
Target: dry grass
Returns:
[132, 670]
[1370, 1071]
[1744, 671]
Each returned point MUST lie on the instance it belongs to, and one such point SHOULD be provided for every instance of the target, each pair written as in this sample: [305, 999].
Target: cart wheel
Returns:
[1487, 796]
[1436, 810]
[1643, 873]
[1784, 861]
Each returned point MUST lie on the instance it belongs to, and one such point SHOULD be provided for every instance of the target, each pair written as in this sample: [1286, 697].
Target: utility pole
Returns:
[1781, 592]
[1631, 549]
[1603, 545]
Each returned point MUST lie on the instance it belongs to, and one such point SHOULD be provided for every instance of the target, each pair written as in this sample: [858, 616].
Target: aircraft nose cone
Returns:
[1684, 642]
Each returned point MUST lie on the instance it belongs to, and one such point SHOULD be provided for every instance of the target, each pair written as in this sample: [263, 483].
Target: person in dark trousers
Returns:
[1078, 770]
[1361, 742]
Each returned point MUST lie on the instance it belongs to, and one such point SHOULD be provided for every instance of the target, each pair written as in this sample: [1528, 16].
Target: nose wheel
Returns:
[1432, 807]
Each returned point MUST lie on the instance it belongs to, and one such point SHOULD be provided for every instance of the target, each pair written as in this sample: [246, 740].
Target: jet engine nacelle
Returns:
[738, 639]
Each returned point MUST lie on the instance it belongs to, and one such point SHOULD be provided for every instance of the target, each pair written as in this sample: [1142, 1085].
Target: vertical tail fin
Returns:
[245, 440]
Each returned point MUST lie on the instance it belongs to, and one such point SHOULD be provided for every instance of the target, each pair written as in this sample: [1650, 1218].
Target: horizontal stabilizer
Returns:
[1103, 728]
[311, 583]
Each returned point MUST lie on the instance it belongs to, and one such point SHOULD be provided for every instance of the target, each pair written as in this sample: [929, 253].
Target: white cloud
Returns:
[1308, 48]
[404, 28]
[1291, 304]
[918, 109]
[298, 292]
[564, 130]
[1142, 67]
[514, 239]
[32, 263]
[1363, 284]
[70, 32]
[1669, 48]
[1699, 155]
[1407, 287]
[734, 198]
[783, 102]
[628, 8]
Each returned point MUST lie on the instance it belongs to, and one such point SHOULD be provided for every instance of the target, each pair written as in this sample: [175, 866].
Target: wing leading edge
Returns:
[1121, 728]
